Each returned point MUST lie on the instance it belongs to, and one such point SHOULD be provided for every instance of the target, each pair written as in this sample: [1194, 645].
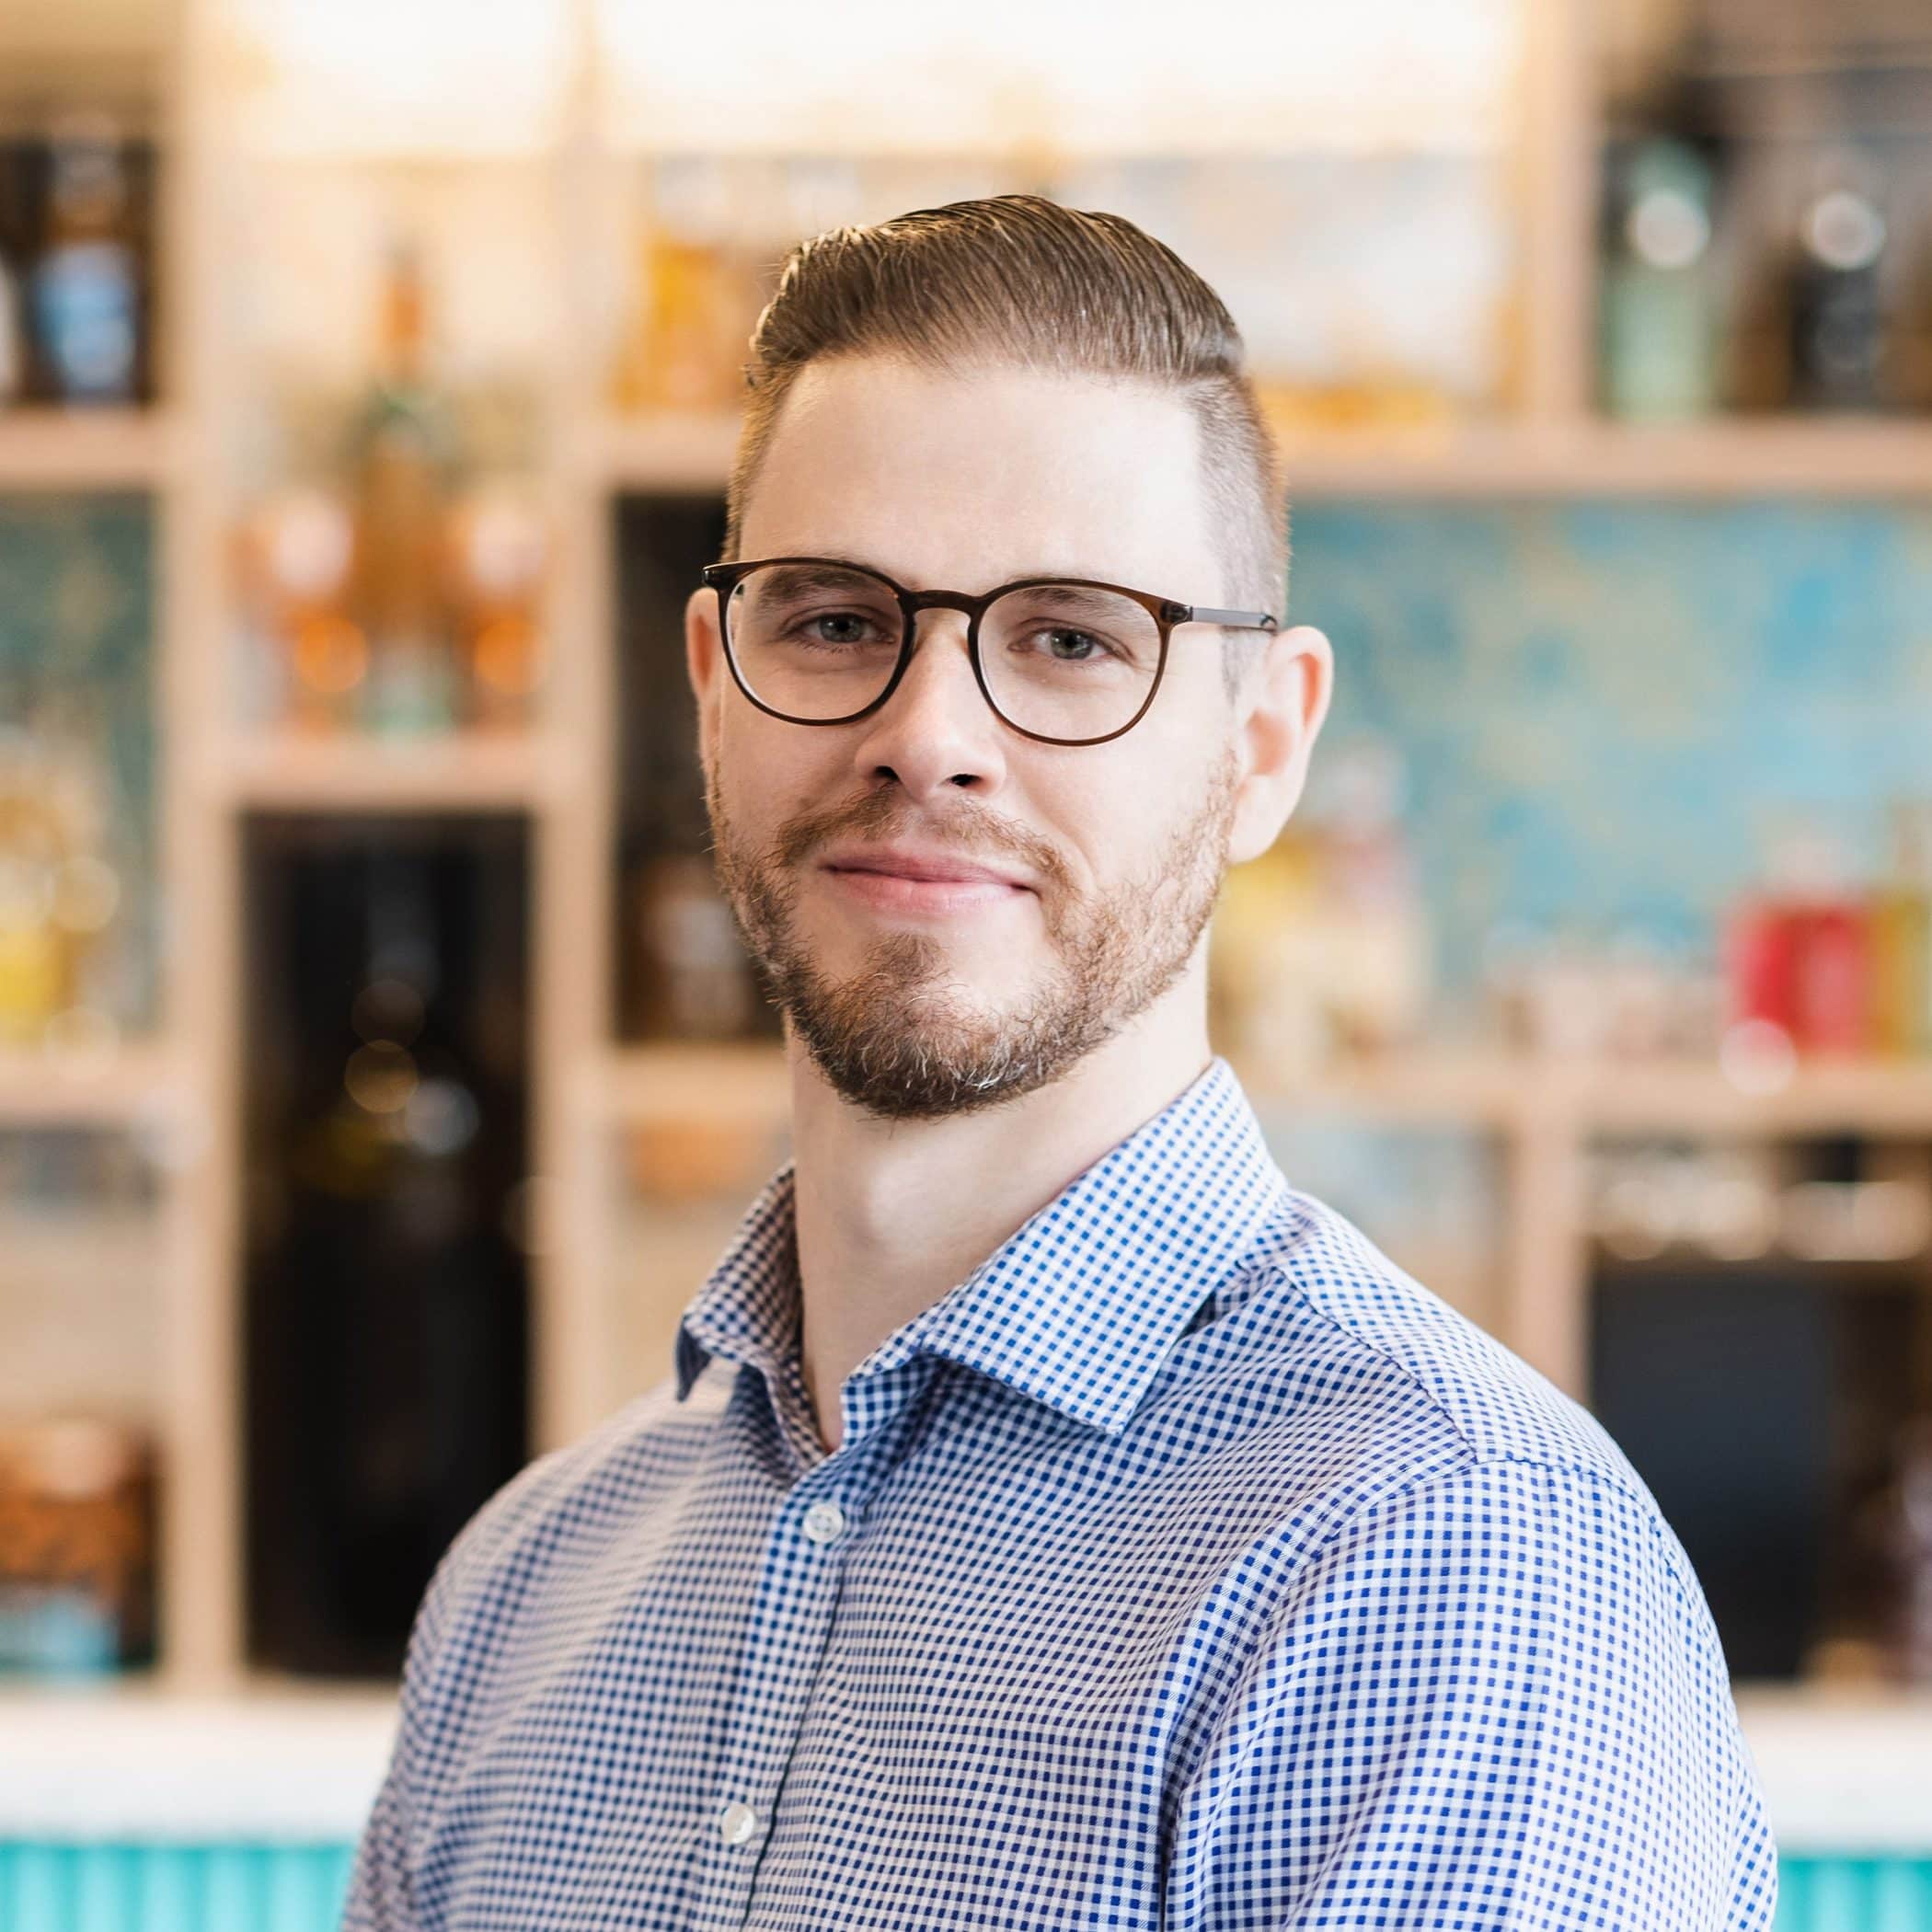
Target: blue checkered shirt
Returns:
[1187, 1566]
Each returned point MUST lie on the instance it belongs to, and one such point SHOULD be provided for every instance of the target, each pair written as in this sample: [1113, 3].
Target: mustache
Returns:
[880, 815]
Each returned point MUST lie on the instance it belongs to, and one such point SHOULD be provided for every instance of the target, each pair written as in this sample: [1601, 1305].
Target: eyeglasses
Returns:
[816, 640]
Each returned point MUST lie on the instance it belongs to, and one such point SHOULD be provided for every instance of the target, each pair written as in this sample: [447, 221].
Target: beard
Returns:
[898, 1038]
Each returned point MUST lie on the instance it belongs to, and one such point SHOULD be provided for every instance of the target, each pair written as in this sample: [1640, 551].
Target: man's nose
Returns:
[937, 728]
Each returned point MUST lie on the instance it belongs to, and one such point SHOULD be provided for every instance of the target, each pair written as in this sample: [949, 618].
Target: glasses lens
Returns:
[812, 639]
[1069, 662]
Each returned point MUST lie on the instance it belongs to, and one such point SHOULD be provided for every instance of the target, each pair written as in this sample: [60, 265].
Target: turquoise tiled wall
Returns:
[1603, 703]
[254, 1888]
[172, 1888]
[1853, 1894]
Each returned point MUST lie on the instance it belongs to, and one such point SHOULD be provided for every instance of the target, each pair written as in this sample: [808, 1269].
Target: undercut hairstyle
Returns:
[1017, 280]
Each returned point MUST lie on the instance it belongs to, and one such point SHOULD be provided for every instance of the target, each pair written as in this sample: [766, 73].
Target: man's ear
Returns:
[703, 661]
[1279, 711]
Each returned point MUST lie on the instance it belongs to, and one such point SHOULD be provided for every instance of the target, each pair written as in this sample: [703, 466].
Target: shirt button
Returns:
[823, 1521]
[736, 1822]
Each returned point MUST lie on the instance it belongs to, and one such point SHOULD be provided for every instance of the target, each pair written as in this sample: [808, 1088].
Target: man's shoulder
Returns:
[1374, 1417]
[1324, 1339]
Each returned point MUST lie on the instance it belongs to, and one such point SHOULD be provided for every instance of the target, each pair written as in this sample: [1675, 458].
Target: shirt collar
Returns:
[1080, 1306]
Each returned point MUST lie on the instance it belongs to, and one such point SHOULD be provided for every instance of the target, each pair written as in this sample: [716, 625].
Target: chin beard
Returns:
[901, 1040]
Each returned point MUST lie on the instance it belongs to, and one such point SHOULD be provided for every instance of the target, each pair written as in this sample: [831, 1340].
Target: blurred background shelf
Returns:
[406, 1013]
[1481, 1091]
[1561, 458]
[124, 1085]
[93, 448]
[290, 773]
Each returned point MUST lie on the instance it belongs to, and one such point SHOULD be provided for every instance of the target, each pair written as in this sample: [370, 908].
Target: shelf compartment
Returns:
[386, 1289]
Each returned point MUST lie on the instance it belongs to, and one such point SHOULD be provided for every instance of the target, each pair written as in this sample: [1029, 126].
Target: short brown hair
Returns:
[1018, 280]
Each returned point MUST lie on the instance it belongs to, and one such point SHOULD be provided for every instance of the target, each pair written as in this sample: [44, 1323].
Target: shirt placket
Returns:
[785, 1644]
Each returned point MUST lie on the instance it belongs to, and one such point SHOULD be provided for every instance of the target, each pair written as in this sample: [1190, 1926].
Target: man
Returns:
[1055, 1517]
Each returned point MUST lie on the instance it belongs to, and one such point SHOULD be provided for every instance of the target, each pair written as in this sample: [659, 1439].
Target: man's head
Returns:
[958, 398]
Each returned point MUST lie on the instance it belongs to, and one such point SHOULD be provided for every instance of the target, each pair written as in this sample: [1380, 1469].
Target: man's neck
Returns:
[892, 1214]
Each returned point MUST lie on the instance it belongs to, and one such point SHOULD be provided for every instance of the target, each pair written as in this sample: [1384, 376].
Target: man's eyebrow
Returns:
[830, 573]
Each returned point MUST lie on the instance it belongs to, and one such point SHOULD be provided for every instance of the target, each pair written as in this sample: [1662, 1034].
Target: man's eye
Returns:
[836, 627]
[1071, 647]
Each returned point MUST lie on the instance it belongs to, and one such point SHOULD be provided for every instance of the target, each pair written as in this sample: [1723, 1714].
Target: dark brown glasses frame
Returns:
[1166, 612]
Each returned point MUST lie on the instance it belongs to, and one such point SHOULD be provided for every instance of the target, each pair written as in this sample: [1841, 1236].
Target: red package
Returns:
[1760, 962]
[1834, 980]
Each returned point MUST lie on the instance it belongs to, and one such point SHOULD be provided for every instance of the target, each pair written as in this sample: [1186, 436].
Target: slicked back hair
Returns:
[1017, 280]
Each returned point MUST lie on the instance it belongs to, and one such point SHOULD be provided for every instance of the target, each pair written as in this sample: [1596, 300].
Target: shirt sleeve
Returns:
[1494, 1699]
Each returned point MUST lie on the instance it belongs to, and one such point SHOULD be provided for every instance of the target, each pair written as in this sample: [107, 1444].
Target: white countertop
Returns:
[1844, 1769]
[274, 1761]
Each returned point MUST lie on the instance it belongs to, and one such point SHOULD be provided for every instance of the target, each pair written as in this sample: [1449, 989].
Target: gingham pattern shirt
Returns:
[1187, 1566]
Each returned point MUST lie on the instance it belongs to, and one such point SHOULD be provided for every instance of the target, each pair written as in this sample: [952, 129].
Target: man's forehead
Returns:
[965, 481]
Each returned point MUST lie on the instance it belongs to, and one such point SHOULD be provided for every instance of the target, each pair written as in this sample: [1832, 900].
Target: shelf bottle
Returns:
[401, 451]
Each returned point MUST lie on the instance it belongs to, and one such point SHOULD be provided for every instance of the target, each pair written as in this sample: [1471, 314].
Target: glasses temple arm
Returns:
[1235, 620]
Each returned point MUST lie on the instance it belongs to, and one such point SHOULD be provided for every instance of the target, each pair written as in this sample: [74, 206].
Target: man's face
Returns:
[922, 1001]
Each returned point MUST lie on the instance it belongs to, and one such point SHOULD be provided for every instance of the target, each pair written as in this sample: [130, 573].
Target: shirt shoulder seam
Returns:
[1293, 1273]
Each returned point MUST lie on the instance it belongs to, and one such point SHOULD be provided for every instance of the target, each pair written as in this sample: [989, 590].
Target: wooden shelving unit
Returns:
[1479, 1092]
[47, 449]
[1526, 457]
[465, 772]
[120, 1087]
[561, 774]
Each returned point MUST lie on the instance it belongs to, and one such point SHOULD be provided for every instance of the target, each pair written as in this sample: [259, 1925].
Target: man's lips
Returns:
[908, 879]
[916, 862]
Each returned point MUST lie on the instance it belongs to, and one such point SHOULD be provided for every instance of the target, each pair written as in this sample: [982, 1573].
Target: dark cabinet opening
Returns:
[1763, 1404]
[385, 1150]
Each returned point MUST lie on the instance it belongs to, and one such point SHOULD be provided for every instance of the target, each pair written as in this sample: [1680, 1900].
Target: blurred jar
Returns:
[77, 1546]
[688, 336]
[59, 894]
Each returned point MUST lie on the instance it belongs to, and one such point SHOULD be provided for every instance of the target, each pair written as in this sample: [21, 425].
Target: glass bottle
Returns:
[1836, 317]
[1659, 342]
[401, 455]
[84, 294]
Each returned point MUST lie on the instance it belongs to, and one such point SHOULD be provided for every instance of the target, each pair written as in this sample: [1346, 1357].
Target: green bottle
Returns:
[1656, 319]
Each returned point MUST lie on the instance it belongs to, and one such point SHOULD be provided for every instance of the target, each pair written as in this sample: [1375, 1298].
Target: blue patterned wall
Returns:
[1604, 705]
[77, 655]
